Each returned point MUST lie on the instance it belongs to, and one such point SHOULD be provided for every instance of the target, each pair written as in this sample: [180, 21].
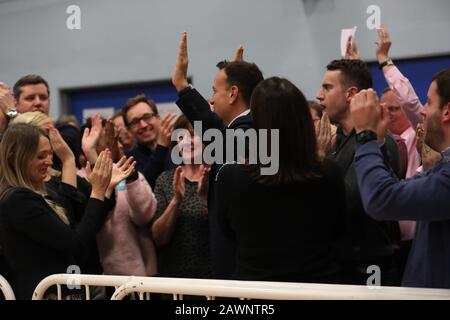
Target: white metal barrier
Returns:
[6, 289]
[210, 289]
[271, 290]
[83, 280]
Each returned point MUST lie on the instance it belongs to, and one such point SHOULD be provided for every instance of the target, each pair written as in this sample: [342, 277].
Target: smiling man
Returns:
[151, 152]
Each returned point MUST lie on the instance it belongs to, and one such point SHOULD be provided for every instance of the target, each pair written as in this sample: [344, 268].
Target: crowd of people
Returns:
[363, 179]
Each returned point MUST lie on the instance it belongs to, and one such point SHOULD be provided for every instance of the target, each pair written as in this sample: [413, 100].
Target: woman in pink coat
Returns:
[124, 242]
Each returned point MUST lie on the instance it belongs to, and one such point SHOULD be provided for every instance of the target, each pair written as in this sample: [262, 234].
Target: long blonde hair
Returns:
[19, 145]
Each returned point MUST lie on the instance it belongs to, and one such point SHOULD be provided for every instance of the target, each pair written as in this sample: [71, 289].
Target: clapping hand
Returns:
[121, 170]
[323, 134]
[179, 188]
[166, 128]
[202, 189]
[91, 137]
[100, 177]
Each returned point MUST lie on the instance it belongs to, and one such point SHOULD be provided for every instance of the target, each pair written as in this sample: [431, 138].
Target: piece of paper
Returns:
[345, 34]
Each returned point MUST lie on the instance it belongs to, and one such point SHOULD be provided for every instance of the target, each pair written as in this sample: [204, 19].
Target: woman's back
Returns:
[282, 233]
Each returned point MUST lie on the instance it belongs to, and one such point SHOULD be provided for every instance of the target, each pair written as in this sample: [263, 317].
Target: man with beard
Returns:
[425, 197]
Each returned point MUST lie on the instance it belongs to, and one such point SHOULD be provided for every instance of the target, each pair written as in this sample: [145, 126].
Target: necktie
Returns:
[402, 157]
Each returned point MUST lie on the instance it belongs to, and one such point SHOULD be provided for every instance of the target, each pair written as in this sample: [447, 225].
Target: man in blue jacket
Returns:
[425, 197]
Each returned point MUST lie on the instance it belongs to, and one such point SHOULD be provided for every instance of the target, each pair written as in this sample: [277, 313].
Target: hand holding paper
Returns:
[345, 35]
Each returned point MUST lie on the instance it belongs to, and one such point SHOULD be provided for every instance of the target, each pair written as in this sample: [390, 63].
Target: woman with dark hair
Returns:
[284, 225]
[180, 228]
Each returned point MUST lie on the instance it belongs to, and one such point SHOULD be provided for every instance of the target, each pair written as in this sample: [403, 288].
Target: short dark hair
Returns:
[354, 73]
[28, 80]
[244, 75]
[130, 103]
[442, 79]
[278, 104]
[182, 122]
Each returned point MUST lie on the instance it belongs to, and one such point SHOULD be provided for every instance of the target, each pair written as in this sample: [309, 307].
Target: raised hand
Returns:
[100, 177]
[91, 137]
[239, 54]
[420, 134]
[121, 170]
[112, 139]
[65, 154]
[383, 44]
[179, 75]
[111, 134]
[324, 135]
[365, 111]
[352, 51]
[59, 146]
[165, 130]
[202, 189]
[179, 189]
[7, 100]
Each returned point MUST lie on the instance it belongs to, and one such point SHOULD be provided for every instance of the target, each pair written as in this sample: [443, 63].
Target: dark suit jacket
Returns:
[36, 243]
[196, 108]
[365, 238]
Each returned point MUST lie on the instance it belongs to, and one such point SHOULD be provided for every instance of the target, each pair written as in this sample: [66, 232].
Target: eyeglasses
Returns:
[145, 117]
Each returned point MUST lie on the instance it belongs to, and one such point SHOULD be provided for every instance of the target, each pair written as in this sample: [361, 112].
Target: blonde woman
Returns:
[35, 118]
[35, 234]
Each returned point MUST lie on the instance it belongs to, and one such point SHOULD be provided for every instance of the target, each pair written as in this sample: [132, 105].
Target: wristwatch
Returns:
[388, 62]
[366, 136]
[12, 113]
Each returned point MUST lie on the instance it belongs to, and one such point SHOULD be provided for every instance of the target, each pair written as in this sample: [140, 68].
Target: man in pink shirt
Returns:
[402, 130]
[404, 109]
[403, 92]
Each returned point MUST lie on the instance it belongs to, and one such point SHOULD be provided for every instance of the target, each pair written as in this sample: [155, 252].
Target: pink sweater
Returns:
[124, 243]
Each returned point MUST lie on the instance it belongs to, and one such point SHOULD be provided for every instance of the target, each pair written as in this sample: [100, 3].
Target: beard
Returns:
[434, 134]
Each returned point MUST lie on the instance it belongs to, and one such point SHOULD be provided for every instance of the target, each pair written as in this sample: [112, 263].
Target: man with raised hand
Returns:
[405, 113]
[232, 89]
[425, 197]
[403, 92]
